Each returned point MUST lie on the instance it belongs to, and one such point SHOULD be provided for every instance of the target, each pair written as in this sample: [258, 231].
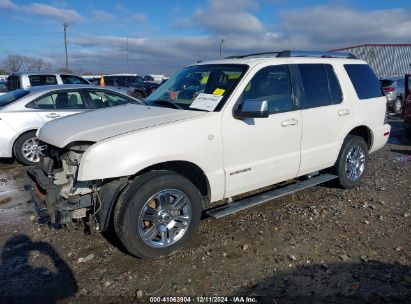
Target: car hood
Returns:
[101, 124]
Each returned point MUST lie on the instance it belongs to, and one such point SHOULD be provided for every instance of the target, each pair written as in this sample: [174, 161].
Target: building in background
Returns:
[387, 60]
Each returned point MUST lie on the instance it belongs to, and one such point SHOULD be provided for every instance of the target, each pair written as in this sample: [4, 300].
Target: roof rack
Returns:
[254, 55]
[290, 53]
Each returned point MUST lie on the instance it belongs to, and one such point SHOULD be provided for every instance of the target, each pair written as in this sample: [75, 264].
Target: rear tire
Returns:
[397, 106]
[137, 94]
[157, 214]
[27, 150]
[352, 162]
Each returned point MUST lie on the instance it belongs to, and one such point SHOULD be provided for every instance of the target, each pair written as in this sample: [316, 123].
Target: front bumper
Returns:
[49, 203]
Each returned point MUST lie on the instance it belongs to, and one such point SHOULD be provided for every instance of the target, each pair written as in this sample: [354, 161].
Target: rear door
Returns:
[58, 104]
[325, 116]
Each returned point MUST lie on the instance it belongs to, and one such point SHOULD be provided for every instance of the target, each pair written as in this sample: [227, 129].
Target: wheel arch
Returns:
[187, 169]
[364, 132]
[114, 188]
[17, 136]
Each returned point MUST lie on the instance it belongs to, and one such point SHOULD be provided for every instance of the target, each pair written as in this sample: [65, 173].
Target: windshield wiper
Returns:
[167, 103]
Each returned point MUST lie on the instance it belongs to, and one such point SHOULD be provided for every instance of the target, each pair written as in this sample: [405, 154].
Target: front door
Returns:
[262, 151]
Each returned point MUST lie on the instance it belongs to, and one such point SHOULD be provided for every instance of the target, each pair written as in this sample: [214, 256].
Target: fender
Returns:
[130, 153]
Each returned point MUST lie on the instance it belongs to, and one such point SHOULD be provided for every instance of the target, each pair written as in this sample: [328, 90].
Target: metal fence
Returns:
[386, 60]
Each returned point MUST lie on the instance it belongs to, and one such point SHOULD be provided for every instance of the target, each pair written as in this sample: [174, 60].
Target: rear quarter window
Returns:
[72, 79]
[13, 83]
[39, 80]
[365, 82]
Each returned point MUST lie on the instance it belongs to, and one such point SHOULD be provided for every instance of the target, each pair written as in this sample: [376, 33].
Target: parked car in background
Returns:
[407, 108]
[141, 89]
[394, 91]
[3, 87]
[157, 78]
[27, 80]
[24, 111]
[113, 83]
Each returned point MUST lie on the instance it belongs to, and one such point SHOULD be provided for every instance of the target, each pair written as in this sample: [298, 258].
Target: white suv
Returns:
[213, 131]
[31, 79]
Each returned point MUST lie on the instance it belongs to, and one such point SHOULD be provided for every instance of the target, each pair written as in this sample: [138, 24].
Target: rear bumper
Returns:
[380, 137]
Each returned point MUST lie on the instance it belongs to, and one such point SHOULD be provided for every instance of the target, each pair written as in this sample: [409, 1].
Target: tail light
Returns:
[389, 89]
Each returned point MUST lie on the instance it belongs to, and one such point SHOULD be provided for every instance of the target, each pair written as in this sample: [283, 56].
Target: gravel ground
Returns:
[320, 245]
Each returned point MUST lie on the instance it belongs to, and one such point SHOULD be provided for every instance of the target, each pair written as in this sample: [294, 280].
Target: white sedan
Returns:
[23, 112]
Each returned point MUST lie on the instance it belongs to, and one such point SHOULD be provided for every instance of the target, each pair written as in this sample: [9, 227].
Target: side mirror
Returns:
[252, 108]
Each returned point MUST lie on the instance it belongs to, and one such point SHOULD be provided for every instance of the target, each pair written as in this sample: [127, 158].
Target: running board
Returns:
[264, 197]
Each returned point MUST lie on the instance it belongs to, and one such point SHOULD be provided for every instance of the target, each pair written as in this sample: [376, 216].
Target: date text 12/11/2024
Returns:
[203, 299]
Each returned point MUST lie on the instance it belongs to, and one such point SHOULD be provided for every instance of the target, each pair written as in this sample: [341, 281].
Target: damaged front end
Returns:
[67, 200]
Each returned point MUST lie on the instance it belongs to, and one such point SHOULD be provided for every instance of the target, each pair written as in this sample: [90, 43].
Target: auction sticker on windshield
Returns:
[206, 102]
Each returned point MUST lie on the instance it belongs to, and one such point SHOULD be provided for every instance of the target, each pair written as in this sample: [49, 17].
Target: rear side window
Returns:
[64, 100]
[39, 80]
[335, 88]
[13, 83]
[315, 83]
[364, 81]
[72, 79]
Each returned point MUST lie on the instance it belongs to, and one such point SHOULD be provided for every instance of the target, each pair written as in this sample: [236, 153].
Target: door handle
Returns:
[53, 115]
[344, 112]
[289, 122]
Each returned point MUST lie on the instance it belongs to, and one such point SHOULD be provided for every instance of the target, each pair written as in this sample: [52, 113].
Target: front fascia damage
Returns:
[55, 186]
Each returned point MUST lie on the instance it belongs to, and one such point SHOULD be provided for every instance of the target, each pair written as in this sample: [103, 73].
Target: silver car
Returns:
[394, 91]
[24, 111]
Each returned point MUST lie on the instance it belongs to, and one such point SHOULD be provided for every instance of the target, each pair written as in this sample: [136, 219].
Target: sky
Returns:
[162, 36]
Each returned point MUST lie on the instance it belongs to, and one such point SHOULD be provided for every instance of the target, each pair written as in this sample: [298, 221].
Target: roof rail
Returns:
[254, 55]
[290, 53]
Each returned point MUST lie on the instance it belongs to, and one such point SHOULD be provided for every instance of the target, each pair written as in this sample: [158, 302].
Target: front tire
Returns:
[27, 149]
[352, 162]
[157, 214]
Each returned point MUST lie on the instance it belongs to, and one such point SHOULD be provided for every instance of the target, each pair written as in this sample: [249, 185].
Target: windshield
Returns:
[200, 87]
[12, 96]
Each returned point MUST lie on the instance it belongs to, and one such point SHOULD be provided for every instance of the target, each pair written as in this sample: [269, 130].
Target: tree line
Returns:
[14, 63]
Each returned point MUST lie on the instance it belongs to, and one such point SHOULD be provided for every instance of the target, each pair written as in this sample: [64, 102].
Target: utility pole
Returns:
[221, 45]
[127, 54]
[65, 25]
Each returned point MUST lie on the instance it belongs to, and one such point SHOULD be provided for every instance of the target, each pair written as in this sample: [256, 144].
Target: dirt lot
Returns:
[321, 245]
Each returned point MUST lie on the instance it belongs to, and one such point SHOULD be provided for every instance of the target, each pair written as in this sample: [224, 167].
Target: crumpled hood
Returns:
[100, 124]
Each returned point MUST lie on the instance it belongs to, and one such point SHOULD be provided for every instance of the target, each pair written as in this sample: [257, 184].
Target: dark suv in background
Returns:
[394, 91]
[135, 86]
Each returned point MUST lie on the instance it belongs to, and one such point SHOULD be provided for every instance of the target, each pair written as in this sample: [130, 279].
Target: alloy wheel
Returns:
[165, 218]
[355, 163]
